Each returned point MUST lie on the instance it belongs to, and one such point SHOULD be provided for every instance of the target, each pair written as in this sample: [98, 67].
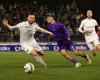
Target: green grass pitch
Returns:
[12, 63]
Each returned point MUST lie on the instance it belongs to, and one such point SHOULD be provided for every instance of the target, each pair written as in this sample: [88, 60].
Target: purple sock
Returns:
[74, 61]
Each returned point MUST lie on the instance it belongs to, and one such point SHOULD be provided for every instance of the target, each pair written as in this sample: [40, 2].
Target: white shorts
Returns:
[28, 47]
[93, 44]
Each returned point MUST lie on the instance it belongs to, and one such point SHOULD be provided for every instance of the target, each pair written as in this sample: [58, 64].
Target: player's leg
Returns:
[79, 53]
[64, 53]
[38, 58]
[41, 53]
[93, 52]
[96, 44]
[37, 48]
[31, 50]
[91, 48]
[98, 47]
[82, 54]
[72, 47]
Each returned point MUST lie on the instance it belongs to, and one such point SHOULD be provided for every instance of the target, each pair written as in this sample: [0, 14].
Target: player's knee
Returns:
[41, 53]
[34, 53]
[63, 52]
[77, 53]
[98, 47]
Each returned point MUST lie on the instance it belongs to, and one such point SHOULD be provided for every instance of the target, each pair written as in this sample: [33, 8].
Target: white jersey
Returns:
[27, 31]
[89, 24]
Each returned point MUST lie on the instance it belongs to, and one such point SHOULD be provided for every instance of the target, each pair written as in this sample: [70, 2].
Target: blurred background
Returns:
[70, 12]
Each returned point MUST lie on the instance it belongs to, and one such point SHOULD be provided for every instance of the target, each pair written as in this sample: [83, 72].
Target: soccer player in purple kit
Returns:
[63, 40]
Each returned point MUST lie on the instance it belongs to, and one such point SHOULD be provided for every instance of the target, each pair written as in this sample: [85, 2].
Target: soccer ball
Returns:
[29, 68]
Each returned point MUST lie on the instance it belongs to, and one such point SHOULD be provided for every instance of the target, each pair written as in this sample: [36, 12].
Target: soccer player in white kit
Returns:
[87, 27]
[27, 40]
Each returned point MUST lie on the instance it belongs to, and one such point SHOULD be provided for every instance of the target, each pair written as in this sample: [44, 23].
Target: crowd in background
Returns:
[17, 12]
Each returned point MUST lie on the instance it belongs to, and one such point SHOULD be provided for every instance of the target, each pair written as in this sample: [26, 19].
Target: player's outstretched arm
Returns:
[5, 22]
[47, 32]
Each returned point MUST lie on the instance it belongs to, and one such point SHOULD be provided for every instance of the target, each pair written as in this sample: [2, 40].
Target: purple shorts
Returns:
[66, 45]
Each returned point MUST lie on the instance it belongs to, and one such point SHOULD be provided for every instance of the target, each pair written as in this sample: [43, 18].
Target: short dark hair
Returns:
[51, 15]
[31, 13]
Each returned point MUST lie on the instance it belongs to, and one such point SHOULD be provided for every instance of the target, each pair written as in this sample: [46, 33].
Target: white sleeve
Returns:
[37, 27]
[16, 26]
[81, 26]
[41, 29]
[96, 23]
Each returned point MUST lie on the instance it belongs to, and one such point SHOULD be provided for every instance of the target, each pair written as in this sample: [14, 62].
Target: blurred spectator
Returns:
[16, 11]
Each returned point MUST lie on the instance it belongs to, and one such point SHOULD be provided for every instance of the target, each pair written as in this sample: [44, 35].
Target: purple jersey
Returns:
[62, 36]
[59, 30]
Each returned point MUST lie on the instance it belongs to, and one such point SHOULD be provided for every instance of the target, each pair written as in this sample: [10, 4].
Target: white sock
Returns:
[40, 60]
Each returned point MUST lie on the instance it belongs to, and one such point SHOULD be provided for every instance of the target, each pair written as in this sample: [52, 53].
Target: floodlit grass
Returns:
[12, 63]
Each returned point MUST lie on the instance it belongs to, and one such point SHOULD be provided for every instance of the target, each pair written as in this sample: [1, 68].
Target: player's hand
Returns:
[85, 32]
[99, 28]
[51, 34]
[5, 22]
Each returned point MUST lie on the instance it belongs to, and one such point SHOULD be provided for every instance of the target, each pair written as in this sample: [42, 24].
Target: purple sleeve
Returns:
[67, 31]
[49, 27]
